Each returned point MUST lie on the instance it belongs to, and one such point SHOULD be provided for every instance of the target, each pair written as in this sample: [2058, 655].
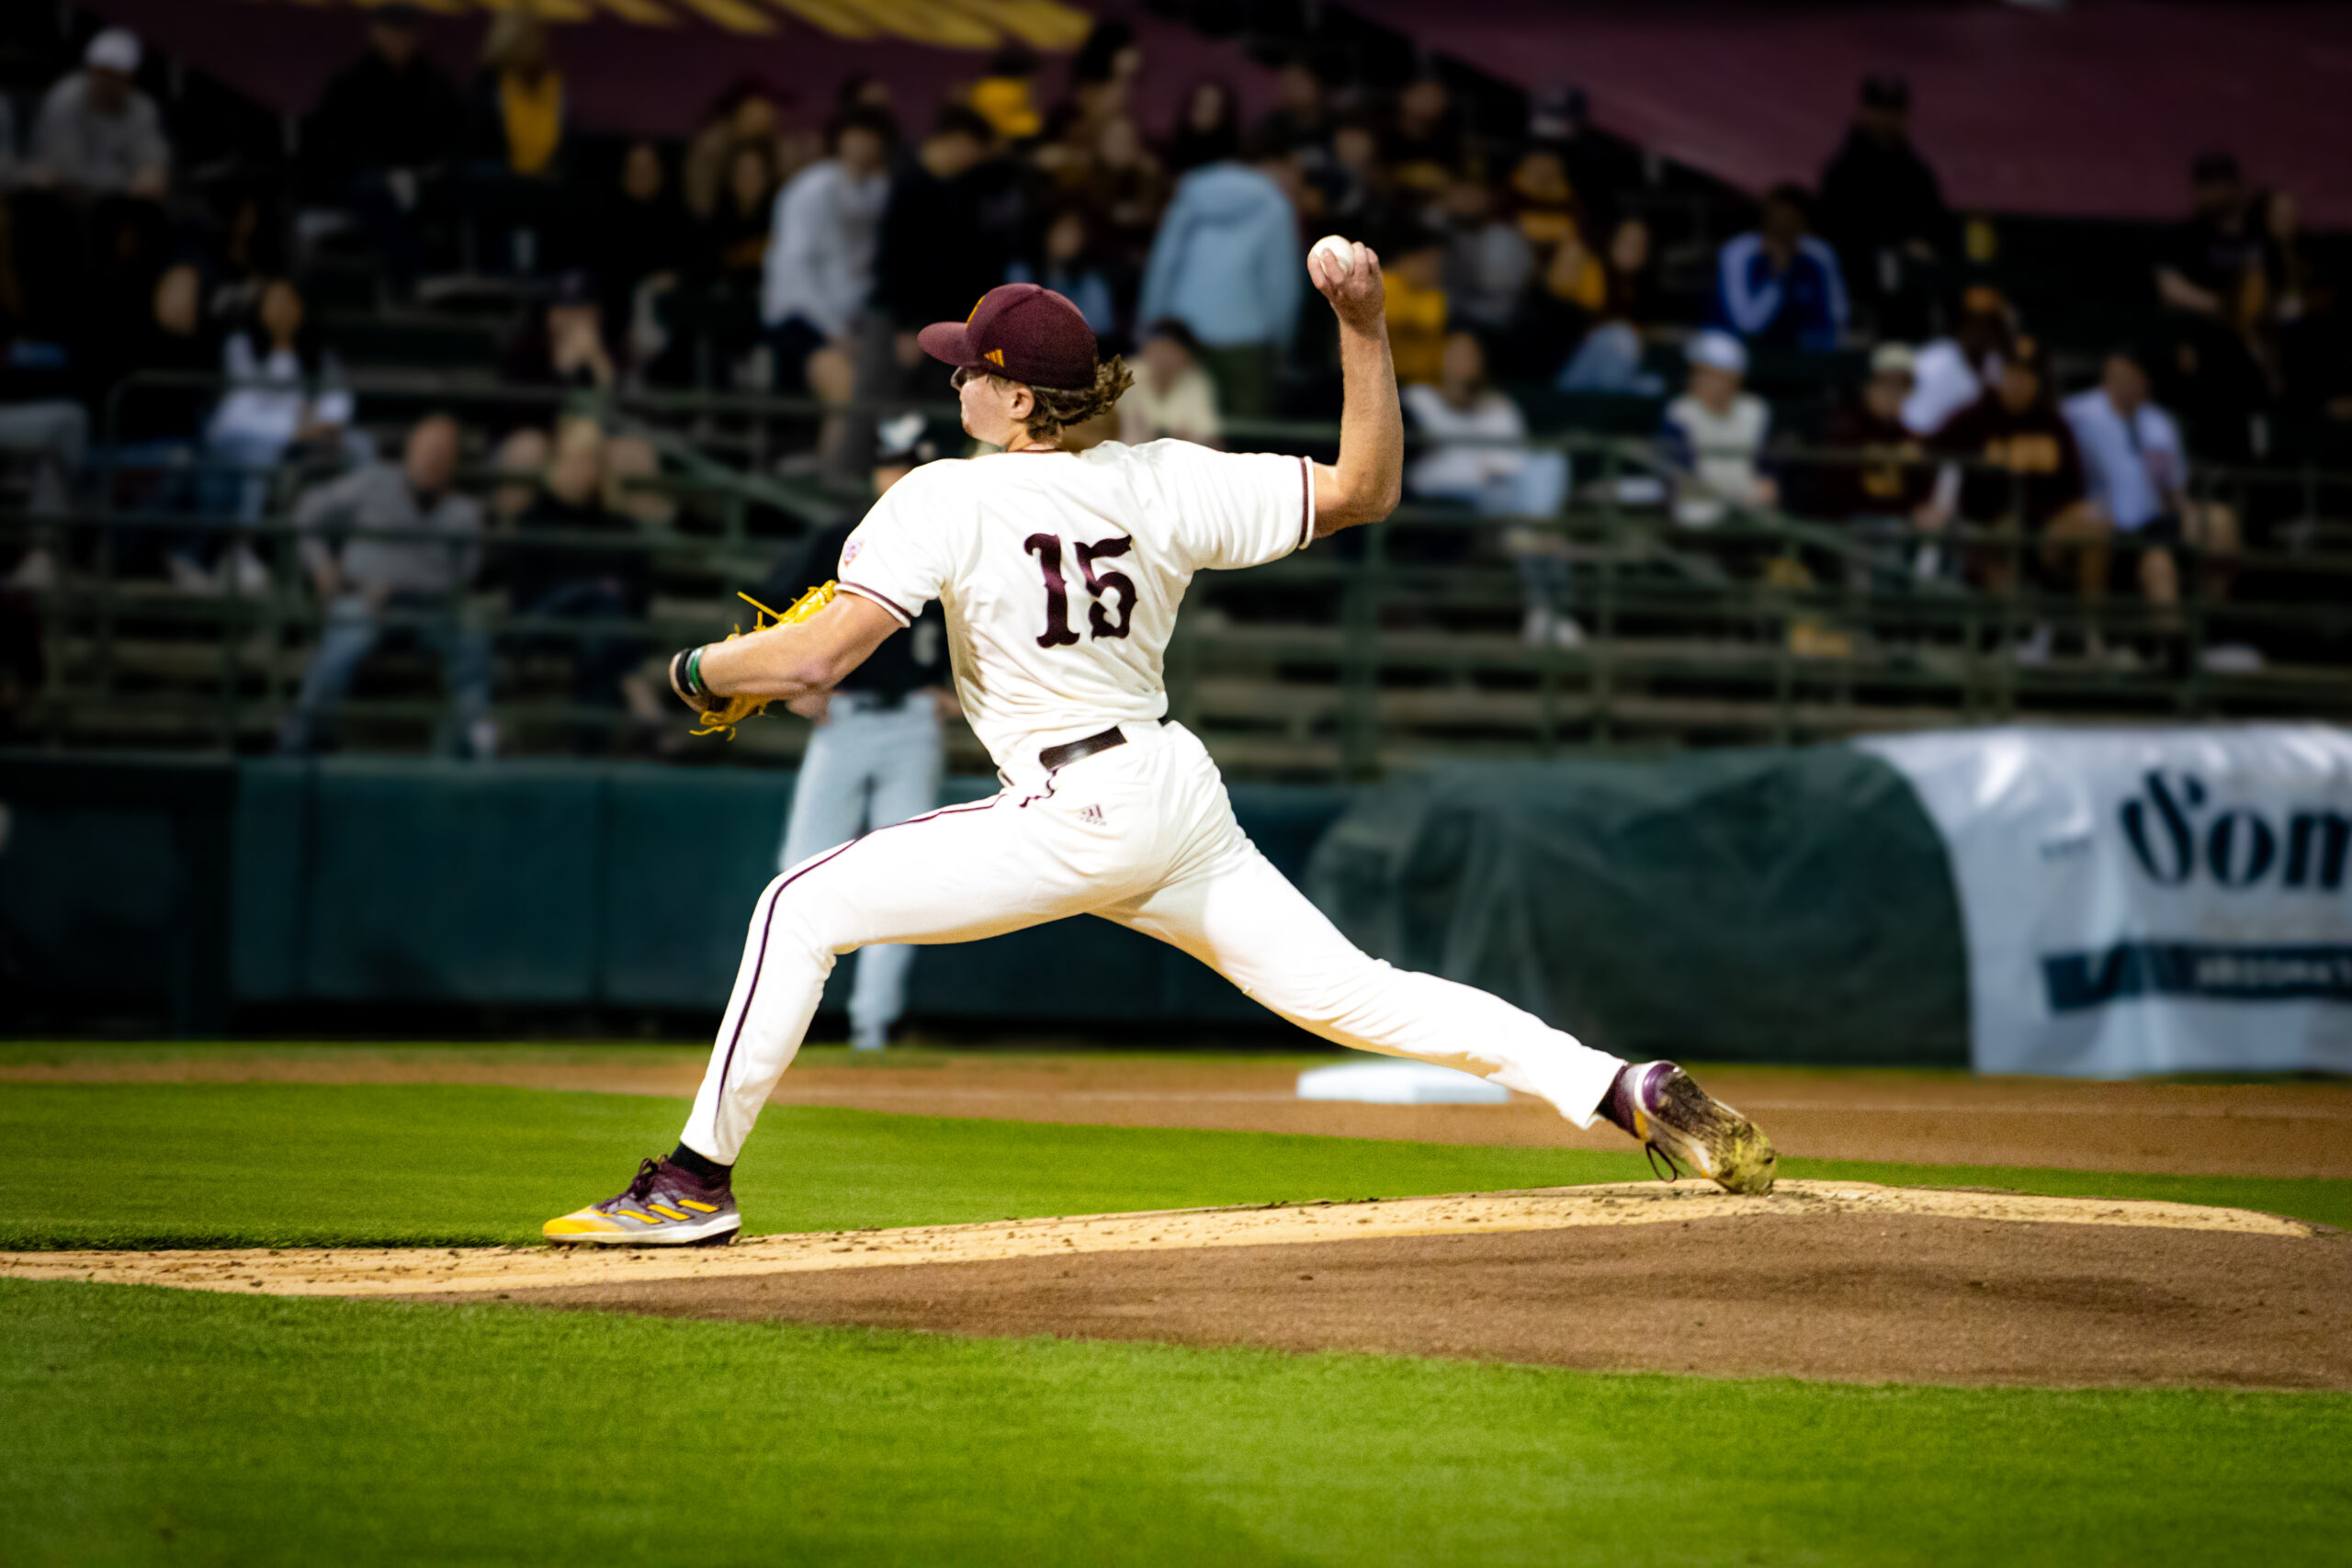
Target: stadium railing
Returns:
[1383, 648]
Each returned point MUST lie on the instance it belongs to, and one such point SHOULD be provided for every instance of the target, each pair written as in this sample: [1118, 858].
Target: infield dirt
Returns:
[1901, 1299]
[1836, 1280]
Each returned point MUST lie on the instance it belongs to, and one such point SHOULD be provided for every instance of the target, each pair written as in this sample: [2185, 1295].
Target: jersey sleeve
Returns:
[891, 557]
[1234, 508]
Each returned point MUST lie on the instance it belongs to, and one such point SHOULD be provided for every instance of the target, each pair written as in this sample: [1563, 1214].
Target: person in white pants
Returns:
[1060, 574]
[877, 754]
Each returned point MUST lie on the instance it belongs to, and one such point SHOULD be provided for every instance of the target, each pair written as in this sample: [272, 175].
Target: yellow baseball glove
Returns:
[721, 715]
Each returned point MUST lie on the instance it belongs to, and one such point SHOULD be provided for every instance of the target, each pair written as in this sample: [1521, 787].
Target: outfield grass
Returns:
[308, 1165]
[147, 1425]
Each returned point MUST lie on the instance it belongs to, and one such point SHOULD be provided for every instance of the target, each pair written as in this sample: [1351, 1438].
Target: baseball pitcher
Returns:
[1060, 574]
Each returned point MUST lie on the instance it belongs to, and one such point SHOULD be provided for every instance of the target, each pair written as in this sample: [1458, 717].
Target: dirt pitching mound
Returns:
[1823, 1280]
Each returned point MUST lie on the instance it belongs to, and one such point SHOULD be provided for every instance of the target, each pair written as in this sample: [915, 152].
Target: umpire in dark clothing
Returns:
[877, 754]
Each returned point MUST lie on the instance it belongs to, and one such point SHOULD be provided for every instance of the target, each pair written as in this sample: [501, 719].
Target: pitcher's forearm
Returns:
[783, 662]
[1370, 474]
[787, 662]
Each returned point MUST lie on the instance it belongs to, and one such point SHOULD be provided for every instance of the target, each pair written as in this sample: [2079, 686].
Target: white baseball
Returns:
[1339, 256]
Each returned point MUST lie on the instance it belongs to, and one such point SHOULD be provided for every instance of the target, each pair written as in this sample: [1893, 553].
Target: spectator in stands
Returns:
[1556, 315]
[1226, 262]
[643, 248]
[746, 111]
[1103, 75]
[585, 582]
[1358, 196]
[1475, 456]
[1066, 261]
[2025, 482]
[1414, 275]
[1006, 96]
[563, 344]
[735, 238]
[2214, 264]
[1543, 203]
[1423, 147]
[1609, 360]
[1301, 118]
[250, 255]
[2135, 468]
[1172, 396]
[1487, 262]
[87, 224]
[521, 117]
[157, 427]
[1953, 372]
[1714, 433]
[285, 402]
[1210, 130]
[928, 262]
[98, 134]
[1599, 170]
[2214, 277]
[2298, 302]
[1777, 285]
[383, 544]
[948, 234]
[1126, 189]
[383, 130]
[1546, 324]
[1884, 209]
[1884, 495]
[821, 253]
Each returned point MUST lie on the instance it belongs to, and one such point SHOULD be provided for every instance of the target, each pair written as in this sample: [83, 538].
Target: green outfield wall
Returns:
[1789, 905]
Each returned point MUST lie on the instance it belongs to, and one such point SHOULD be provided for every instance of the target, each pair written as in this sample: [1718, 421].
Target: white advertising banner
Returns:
[2148, 900]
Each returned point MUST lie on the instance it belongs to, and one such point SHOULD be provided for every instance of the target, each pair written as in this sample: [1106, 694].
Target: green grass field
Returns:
[143, 1425]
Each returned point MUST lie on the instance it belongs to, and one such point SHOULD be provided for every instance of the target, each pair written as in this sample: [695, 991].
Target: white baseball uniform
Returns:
[1061, 574]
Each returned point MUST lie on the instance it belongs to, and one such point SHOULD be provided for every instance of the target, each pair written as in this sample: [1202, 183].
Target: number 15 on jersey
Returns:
[1113, 593]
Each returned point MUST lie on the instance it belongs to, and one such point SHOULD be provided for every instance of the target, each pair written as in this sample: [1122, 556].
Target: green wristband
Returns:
[694, 672]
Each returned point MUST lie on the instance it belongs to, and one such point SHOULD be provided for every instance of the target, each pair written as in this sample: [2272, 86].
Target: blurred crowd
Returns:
[775, 249]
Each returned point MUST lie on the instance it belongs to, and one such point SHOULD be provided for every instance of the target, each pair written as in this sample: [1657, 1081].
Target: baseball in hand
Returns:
[1339, 256]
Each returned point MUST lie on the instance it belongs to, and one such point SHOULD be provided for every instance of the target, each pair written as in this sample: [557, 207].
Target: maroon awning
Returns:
[2095, 109]
[652, 67]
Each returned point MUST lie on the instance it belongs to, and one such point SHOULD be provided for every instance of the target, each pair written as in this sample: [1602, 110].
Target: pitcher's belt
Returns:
[1070, 751]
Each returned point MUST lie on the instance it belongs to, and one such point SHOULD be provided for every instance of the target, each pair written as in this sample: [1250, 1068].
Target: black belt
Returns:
[1070, 751]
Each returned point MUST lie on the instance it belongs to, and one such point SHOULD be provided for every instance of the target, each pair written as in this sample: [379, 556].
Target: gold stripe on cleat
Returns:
[587, 1222]
[666, 1211]
[698, 1208]
[634, 1215]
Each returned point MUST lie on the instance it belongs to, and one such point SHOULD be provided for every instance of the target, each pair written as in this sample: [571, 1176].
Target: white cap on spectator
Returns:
[117, 49]
[1893, 359]
[1717, 351]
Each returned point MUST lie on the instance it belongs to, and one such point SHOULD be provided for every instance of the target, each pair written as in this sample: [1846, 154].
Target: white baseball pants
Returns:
[1141, 834]
[865, 769]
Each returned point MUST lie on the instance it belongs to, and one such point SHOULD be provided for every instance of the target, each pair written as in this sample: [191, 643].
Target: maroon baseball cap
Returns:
[1022, 333]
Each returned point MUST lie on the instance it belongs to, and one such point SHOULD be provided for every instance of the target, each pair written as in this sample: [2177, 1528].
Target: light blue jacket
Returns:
[1227, 261]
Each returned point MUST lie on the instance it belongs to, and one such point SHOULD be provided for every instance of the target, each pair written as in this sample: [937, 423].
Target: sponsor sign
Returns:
[2148, 900]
